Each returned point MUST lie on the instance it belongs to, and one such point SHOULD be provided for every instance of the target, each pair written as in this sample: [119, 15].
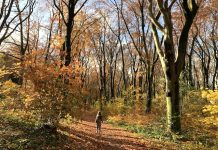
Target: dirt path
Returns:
[16, 134]
[110, 139]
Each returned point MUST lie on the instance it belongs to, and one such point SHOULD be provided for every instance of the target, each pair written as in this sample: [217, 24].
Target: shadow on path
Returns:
[107, 140]
[16, 134]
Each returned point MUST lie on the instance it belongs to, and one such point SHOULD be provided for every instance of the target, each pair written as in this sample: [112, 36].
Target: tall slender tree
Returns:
[172, 59]
[69, 20]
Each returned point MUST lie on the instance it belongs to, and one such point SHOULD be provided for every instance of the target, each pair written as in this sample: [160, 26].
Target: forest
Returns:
[108, 74]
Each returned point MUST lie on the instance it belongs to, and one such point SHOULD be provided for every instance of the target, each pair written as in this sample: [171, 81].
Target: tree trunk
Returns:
[101, 89]
[197, 77]
[112, 83]
[149, 95]
[172, 86]
[122, 52]
[190, 76]
[140, 86]
[215, 74]
[173, 103]
[215, 49]
[206, 76]
[68, 44]
[172, 97]
[105, 76]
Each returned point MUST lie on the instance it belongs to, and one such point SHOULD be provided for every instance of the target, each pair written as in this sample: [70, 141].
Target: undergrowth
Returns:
[195, 133]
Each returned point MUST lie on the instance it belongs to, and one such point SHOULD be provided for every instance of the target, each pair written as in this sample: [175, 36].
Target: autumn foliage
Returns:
[150, 66]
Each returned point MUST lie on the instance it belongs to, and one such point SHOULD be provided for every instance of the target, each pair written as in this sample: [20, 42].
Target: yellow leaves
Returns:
[140, 73]
[57, 42]
[210, 120]
[13, 96]
[210, 95]
[212, 107]
[81, 17]
[3, 73]
[204, 94]
[8, 86]
[29, 99]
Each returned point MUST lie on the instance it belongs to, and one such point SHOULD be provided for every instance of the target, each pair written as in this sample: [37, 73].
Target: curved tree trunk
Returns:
[171, 62]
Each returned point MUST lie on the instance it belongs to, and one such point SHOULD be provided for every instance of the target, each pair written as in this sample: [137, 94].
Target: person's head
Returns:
[99, 112]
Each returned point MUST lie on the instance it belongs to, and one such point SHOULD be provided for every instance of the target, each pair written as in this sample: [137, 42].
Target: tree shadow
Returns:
[106, 142]
[16, 134]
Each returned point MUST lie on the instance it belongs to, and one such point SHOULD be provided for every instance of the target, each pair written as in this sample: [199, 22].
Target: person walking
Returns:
[98, 121]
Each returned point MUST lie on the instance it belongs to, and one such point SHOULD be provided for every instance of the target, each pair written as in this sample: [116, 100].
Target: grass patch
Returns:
[152, 131]
[188, 140]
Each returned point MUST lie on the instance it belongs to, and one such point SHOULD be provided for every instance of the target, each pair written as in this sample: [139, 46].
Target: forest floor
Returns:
[18, 134]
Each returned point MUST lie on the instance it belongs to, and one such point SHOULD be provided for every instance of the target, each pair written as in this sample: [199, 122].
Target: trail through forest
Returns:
[84, 134]
[15, 134]
[111, 138]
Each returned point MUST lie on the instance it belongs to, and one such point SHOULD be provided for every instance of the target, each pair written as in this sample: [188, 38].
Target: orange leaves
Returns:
[57, 42]
[136, 35]
[58, 87]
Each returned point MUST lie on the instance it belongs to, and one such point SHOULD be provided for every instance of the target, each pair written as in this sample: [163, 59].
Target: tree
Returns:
[145, 48]
[171, 62]
[8, 15]
[5, 12]
[68, 19]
